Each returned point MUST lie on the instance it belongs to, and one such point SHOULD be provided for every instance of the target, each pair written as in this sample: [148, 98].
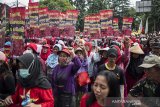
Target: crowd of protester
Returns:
[81, 72]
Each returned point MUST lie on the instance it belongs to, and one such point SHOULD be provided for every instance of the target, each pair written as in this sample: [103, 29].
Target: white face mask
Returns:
[24, 73]
[27, 51]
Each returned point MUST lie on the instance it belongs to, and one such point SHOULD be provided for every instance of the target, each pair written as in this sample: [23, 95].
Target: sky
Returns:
[25, 2]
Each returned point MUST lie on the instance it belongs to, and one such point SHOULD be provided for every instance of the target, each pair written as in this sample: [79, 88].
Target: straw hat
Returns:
[136, 49]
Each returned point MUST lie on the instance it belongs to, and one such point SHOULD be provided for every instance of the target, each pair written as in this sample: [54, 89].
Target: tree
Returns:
[81, 6]
[61, 5]
[154, 17]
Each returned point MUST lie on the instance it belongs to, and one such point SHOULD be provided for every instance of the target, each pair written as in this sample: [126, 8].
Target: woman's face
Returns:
[79, 54]
[63, 57]
[55, 50]
[45, 49]
[87, 48]
[21, 66]
[135, 55]
[101, 88]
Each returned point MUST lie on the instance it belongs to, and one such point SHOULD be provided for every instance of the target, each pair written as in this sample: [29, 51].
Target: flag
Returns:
[140, 27]
[146, 28]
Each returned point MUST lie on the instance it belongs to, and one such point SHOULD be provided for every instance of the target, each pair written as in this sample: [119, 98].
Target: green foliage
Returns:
[61, 5]
[154, 16]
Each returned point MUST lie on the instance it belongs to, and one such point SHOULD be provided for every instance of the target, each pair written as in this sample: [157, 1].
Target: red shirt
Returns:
[84, 99]
[39, 95]
[95, 104]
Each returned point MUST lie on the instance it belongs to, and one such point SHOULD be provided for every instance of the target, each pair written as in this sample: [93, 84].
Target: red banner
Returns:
[106, 22]
[62, 18]
[44, 22]
[127, 26]
[95, 25]
[116, 27]
[86, 26]
[54, 21]
[17, 20]
[18, 45]
[72, 16]
[34, 19]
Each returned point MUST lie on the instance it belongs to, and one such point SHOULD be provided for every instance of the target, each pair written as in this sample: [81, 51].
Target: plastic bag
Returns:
[83, 78]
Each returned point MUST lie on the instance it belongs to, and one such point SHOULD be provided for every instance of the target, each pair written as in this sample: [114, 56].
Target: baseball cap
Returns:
[112, 52]
[65, 50]
[150, 61]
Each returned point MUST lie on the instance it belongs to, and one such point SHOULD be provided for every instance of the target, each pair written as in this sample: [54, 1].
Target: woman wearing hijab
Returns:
[52, 60]
[63, 82]
[92, 59]
[45, 52]
[7, 81]
[33, 89]
[133, 73]
[33, 48]
[82, 84]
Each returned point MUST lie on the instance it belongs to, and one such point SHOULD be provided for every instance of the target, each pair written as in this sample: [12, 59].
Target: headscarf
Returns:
[59, 46]
[52, 59]
[36, 77]
[90, 47]
[44, 56]
[33, 46]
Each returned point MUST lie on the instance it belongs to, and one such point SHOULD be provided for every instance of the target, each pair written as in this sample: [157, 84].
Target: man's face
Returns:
[156, 51]
[112, 59]
[153, 73]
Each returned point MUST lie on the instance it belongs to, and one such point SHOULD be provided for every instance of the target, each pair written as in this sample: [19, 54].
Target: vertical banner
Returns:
[127, 26]
[54, 20]
[17, 43]
[62, 21]
[70, 23]
[87, 25]
[27, 25]
[34, 19]
[43, 22]
[106, 22]
[62, 24]
[17, 23]
[115, 27]
[72, 16]
[17, 20]
[95, 26]
[2, 25]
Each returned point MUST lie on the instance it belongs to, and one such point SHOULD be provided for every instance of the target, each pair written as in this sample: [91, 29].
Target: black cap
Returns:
[112, 51]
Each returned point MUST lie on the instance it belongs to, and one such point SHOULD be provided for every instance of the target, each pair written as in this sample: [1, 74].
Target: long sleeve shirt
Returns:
[38, 95]
[63, 77]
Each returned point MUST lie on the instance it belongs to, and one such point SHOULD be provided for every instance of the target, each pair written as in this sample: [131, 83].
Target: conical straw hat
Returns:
[136, 49]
